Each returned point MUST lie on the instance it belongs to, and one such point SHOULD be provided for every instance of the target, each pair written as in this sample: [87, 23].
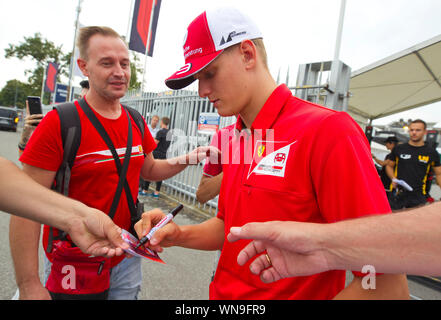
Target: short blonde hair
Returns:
[88, 32]
[260, 46]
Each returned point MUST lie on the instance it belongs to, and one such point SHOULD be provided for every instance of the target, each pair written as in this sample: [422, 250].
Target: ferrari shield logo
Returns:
[260, 150]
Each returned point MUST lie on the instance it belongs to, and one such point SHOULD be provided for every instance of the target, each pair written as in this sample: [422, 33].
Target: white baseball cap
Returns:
[207, 36]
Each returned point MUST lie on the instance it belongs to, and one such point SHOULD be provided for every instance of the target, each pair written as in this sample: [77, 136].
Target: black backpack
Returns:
[71, 139]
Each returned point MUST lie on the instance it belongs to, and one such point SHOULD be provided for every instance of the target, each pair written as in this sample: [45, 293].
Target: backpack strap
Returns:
[137, 117]
[71, 138]
[136, 209]
[122, 170]
[140, 123]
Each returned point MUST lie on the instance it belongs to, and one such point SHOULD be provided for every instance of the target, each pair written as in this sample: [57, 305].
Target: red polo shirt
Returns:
[299, 162]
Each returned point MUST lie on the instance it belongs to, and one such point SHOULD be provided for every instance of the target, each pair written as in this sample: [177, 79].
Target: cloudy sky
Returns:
[295, 32]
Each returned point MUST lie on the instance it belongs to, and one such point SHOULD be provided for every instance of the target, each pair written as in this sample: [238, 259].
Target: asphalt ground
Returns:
[186, 274]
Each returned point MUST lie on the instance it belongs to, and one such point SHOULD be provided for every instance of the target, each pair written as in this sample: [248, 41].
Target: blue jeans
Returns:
[125, 278]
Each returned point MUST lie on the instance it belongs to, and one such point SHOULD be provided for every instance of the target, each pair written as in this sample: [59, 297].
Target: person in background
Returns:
[163, 143]
[84, 87]
[31, 121]
[390, 144]
[412, 162]
[153, 128]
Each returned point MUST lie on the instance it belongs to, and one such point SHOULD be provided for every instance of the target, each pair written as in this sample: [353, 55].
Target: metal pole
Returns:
[334, 77]
[77, 22]
[340, 30]
[42, 85]
[129, 25]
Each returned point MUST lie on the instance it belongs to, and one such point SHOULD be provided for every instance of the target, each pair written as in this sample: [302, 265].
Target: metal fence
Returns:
[183, 108]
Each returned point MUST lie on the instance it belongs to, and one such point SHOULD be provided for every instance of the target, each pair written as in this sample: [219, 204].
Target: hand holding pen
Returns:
[164, 221]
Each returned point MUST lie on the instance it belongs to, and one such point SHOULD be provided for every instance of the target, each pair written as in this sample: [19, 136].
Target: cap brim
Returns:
[185, 75]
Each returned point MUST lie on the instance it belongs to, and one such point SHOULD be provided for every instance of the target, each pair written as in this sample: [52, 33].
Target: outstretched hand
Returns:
[200, 153]
[291, 248]
[97, 235]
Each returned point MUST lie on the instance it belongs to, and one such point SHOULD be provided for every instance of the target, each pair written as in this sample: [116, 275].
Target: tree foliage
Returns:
[14, 93]
[135, 69]
[41, 51]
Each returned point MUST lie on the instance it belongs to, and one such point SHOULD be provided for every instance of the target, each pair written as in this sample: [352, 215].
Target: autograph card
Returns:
[141, 251]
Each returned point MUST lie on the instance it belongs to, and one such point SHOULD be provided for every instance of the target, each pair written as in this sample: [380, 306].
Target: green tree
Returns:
[41, 51]
[135, 69]
[14, 93]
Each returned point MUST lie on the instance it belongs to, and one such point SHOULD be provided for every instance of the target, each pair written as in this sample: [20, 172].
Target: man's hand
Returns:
[200, 153]
[97, 235]
[163, 237]
[31, 122]
[291, 247]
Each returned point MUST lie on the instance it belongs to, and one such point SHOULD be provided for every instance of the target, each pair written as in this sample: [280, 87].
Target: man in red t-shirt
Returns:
[104, 59]
[290, 160]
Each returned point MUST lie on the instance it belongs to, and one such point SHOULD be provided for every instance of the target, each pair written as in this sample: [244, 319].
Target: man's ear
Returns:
[82, 64]
[249, 53]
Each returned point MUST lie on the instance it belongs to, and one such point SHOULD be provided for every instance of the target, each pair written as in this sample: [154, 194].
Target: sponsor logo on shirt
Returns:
[405, 156]
[106, 155]
[424, 159]
[272, 163]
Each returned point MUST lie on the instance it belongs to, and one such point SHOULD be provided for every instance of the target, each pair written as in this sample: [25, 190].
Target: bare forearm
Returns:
[42, 204]
[380, 162]
[164, 169]
[24, 236]
[209, 188]
[208, 235]
[390, 172]
[406, 242]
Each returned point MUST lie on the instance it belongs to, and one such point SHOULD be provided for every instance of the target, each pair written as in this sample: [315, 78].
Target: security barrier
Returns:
[183, 107]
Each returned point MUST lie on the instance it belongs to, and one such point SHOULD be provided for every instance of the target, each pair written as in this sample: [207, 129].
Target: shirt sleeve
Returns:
[213, 168]
[436, 159]
[390, 157]
[44, 149]
[393, 154]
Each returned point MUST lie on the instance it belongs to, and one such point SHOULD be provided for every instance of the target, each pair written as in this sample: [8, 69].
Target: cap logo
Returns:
[184, 69]
[192, 52]
[231, 36]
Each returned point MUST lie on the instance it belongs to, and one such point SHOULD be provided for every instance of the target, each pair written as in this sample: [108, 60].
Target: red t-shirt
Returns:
[94, 176]
[314, 166]
[220, 140]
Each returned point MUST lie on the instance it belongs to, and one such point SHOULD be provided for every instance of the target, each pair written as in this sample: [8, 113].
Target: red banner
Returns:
[144, 26]
[51, 77]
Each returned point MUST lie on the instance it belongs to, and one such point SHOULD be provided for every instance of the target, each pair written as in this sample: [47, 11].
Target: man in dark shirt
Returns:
[161, 151]
[412, 163]
[391, 142]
